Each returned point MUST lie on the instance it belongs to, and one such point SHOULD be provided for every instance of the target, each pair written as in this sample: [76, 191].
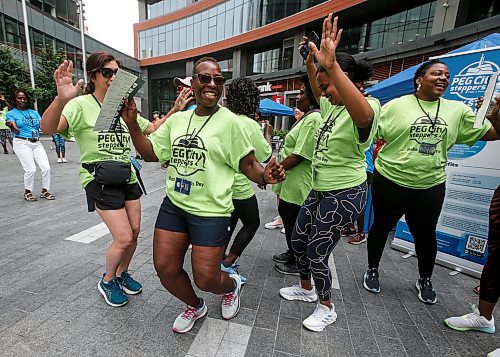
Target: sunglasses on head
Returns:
[206, 79]
[108, 72]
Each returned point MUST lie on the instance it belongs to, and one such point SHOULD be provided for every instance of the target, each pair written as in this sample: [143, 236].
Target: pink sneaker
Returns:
[277, 223]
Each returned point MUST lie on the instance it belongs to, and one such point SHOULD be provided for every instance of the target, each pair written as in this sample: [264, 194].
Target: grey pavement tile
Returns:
[251, 295]
[362, 334]
[10, 316]
[381, 322]
[390, 347]
[266, 314]
[339, 342]
[283, 354]
[399, 314]
[412, 340]
[313, 344]
[231, 349]
[237, 333]
[209, 338]
[261, 343]
[362, 353]
[245, 317]
[171, 345]
[288, 334]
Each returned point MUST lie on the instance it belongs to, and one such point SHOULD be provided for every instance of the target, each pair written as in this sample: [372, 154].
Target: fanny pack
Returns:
[112, 173]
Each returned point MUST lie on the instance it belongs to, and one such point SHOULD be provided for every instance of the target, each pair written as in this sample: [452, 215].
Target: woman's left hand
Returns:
[330, 39]
[274, 172]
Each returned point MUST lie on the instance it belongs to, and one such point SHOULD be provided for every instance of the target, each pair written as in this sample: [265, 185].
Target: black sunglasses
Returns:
[108, 72]
[206, 79]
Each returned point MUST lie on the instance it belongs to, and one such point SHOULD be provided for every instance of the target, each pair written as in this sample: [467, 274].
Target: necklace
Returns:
[326, 125]
[433, 123]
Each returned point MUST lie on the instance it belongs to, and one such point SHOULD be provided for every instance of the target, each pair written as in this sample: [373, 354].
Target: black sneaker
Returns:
[426, 292]
[370, 281]
[286, 257]
[287, 268]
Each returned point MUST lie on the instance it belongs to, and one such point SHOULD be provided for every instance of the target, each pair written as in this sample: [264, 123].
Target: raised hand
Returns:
[184, 97]
[274, 172]
[66, 90]
[330, 39]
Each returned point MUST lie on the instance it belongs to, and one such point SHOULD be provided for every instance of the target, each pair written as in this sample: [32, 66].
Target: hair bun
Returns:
[364, 71]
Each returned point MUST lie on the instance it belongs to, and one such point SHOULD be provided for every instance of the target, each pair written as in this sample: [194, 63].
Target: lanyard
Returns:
[98, 103]
[193, 135]
[326, 125]
[25, 117]
[433, 123]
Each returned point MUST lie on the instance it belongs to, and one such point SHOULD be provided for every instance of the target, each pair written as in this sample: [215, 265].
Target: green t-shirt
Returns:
[299, 141]
[339, 156]
[203, 156]
[242, 189]
[81, 114]
[415, 154]
[3, 114]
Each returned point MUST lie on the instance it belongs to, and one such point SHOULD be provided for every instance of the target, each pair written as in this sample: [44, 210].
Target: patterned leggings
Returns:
[318, 229]
[59, 144]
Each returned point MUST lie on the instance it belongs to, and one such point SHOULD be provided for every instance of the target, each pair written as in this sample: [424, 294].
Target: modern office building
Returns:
[259, 38]
[53, 24]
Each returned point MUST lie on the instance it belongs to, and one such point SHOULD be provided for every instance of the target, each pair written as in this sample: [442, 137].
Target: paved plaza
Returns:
[50, 306]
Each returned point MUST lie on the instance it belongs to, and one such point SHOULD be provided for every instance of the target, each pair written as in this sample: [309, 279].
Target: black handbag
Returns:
[113, 173]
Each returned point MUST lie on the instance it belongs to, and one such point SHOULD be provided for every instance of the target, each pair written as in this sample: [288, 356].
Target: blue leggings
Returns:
[59, 143]
[318, 229]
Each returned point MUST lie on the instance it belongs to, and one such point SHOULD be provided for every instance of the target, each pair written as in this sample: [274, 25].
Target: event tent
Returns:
[270, 107]
[402, 83]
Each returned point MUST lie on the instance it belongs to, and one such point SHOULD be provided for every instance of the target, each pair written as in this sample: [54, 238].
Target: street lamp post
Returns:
[80, 5]
[28, 45]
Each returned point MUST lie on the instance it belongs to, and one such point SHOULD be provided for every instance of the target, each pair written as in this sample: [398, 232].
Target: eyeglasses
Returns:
[206, 79]
[108, 72]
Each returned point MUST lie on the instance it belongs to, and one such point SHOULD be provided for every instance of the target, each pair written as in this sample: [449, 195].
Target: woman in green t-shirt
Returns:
[296, 156]
[203, 149]
[339, 187]
[117, 204]
[409, 180]
[243, 99]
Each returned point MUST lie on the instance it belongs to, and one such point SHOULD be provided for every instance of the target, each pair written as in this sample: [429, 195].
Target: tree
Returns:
[45, 89]
[13, 73]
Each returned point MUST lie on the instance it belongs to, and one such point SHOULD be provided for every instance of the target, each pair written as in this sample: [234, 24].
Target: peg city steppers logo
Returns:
[422, 130]
[472, 80]
[189, 155]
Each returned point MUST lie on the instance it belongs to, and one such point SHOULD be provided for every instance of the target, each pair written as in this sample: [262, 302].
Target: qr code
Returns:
[475, 245]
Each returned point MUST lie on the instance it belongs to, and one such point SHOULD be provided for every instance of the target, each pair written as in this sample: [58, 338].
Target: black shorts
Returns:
[369, 178]
[202, 231]
[108, 197]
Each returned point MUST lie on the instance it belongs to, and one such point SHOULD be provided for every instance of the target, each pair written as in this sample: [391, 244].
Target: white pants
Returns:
[27, 153]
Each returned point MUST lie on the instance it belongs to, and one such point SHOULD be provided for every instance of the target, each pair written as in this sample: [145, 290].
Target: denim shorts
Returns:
[202, 231]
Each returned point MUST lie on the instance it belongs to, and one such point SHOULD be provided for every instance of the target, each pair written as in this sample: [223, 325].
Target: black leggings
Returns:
[421, 208]
[248, 211]
[288, 213]
[490, 279]
[321, 220]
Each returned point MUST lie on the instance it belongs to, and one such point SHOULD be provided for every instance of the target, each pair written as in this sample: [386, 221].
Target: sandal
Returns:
[47, 195]
[28, 196]
[476, 289]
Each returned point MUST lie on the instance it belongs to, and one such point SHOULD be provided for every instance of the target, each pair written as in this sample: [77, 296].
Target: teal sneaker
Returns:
[112, 292]
[129, 285]
[233, 270]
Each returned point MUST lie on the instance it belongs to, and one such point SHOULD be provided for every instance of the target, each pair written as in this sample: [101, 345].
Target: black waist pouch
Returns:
[112, 173]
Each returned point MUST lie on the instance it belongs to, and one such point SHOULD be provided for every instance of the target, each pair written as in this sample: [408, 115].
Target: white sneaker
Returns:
[185, 321]
[282, 230]
[320, 318]
[297, 292]
[495, 353]
[64, 160]
[231, 301]
[59, 160]
[277, 223]
[472, 321]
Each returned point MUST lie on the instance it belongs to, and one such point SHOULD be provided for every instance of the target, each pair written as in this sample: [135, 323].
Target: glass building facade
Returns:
[218, 23]
[164, 7]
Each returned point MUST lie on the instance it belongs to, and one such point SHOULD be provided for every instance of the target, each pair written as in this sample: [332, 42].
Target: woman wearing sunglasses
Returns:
[339, 187]
[117, 203]
[203, 148]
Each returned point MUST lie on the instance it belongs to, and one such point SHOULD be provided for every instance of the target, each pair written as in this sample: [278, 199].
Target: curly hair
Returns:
[243, 97]
[14, 94]
[420, 72]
